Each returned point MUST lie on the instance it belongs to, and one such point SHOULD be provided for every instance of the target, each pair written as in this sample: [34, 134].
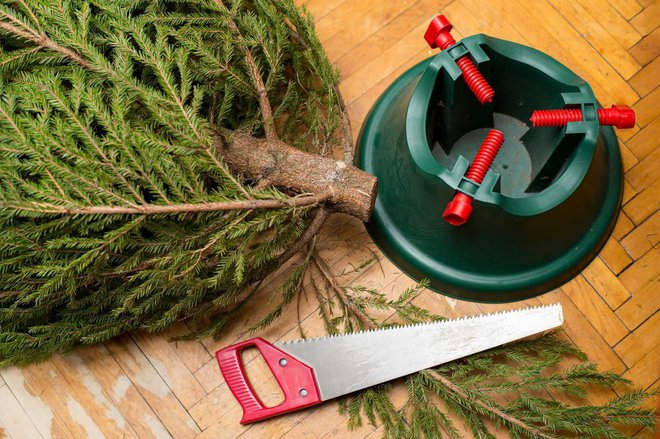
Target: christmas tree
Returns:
[160, 158]
[153, 162]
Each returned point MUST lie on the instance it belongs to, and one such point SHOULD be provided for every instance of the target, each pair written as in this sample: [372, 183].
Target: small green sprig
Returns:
[468, 394]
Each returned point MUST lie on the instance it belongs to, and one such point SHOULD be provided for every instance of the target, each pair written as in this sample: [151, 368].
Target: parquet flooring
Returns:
[141, 385]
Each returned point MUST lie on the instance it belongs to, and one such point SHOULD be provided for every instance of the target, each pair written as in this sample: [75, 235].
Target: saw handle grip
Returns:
[295, 378]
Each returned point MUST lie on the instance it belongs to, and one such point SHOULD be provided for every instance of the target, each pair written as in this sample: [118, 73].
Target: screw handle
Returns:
[620, 116]
[438, 35]
[459, 209]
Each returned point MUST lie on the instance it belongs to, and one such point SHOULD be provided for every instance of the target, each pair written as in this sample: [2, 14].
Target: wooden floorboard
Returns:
[142, 385]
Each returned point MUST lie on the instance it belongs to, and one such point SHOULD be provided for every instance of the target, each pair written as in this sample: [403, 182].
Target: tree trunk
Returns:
[352, 190]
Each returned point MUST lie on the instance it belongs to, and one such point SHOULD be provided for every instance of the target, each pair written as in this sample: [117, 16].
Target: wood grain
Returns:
[13, 418]
[627, 8]
[145, 386]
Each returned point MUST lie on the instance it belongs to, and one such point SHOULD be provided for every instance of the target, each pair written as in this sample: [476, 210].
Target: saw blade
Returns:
[349, 362]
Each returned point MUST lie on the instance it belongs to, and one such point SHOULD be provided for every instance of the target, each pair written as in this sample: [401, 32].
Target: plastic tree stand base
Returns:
[543, 211]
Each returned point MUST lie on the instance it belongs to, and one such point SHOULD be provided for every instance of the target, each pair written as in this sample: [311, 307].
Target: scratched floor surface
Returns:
[141, 385]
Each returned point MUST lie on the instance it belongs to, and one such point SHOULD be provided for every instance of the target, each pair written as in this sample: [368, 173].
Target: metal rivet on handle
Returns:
[303, 392]
[283, 362]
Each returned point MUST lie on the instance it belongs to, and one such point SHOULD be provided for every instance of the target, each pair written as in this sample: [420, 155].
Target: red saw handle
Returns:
[295, 378]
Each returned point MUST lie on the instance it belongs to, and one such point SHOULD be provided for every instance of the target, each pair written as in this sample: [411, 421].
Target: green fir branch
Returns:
[117, 211]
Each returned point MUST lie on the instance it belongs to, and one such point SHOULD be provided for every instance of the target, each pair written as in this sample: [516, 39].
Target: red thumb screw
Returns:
[459, 209]
[620, 116]
[437, 35]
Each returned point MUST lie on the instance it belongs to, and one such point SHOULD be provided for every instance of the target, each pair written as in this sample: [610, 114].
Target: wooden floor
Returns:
[143, 386]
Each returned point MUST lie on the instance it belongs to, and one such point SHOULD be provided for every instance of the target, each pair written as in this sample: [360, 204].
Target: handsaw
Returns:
[311, 371]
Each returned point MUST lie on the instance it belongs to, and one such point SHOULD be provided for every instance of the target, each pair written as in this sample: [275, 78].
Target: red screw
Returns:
[459, 209]
[437, 35]
[620, 116]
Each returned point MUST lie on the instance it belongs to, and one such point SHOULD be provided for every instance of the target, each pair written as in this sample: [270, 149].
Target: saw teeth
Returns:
[438, 323]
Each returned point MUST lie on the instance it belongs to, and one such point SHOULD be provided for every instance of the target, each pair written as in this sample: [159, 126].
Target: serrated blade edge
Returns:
[346, 363]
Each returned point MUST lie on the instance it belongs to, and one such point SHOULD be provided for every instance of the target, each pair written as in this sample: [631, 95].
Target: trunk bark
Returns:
[353, 190]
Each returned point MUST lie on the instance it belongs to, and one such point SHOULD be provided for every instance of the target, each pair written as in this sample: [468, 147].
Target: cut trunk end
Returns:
[352, 190]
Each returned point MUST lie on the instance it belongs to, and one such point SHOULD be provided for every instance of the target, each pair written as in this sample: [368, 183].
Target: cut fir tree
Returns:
[153, 162]
[159, 159]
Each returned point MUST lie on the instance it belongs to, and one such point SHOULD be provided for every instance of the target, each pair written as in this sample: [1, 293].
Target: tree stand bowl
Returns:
[543, 211]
